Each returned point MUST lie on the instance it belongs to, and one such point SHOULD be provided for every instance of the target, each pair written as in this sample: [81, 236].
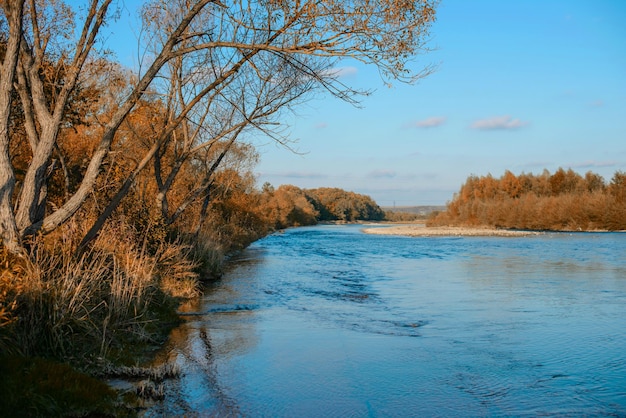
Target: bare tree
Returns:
[223, 67]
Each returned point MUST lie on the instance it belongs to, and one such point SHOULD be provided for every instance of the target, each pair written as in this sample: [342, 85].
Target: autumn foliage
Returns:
[291, 206]
[122, 188]
[564, 200]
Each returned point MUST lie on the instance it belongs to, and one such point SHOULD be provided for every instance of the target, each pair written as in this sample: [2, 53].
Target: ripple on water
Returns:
[223, 309]
[389, 327]
[327, 322]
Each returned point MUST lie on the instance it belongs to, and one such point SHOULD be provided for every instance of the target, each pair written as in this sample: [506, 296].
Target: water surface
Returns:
[328, 321]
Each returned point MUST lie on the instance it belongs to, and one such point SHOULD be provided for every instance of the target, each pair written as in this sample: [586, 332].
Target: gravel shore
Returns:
[420, 230]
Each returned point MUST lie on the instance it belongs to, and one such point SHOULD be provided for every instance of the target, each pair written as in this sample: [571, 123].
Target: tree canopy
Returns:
[212, 73]
[563, 200]
[291, 206]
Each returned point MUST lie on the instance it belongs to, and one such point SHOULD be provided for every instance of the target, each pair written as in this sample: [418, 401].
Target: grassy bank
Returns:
[74, 314]
[68, 319]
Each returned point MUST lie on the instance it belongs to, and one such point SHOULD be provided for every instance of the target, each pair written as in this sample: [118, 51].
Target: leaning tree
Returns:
[221, 68]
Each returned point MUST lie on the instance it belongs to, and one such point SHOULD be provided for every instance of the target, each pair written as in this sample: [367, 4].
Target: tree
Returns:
[594, 182]
[616, 213]
[336, 204]
[511, 185]
[566, 182]
[8, 228]
[617, 187]
[235, 44]
[564, 200]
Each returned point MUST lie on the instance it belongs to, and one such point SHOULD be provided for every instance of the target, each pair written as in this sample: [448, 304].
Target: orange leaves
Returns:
[511, 185]
[561, 201]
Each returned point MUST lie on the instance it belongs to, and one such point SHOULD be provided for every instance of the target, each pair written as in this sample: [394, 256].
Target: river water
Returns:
[328, 321]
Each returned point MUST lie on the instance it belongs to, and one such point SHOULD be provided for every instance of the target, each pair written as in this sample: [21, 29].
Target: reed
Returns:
[156, 373]
[11, 284]
[60, 304]
[110, 304]
[177, 271]
[67, 300]
[207, 254]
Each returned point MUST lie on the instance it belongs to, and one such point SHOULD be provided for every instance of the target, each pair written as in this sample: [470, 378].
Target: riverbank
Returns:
[421, 230]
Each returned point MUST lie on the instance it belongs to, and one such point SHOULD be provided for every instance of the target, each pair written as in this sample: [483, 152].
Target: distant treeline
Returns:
[564, 200]
[291, 206]
[410, 213]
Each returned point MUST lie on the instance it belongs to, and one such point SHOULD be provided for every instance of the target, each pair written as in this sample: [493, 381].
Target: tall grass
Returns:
[60, 304]
[108, 305]
[11, 284]
[177, 270]
[207, 253]
[68, 301]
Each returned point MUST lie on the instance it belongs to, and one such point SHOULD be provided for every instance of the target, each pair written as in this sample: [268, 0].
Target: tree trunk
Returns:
[117, 199]
[54, 220]
[203, 211]
[8, 228]
[32, 201]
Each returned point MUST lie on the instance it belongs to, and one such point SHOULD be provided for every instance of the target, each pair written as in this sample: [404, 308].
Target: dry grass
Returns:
[157, 374]
[177, 271]
[58, 303]
[207, 253]
[68, 298]
[12, 277]
[111, 303]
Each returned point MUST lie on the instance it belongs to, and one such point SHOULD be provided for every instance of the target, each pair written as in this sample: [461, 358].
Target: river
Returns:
[329, 321]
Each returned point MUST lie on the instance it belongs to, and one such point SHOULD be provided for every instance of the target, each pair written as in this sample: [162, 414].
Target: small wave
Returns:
[222, 309]
[390, 327]
[350, 296]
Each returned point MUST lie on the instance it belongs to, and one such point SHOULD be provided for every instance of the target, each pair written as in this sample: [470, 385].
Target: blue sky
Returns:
[519, 85]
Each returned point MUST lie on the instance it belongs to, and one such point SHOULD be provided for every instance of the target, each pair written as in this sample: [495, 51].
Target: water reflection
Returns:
[211, 335]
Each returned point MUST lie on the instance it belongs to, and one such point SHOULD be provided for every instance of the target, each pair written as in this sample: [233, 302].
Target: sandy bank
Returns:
[420, 230]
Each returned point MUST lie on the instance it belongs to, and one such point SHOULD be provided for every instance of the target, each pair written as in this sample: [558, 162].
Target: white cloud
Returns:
[597, 103]
[430, 122]
[498, 122]
[321, 125]
[595, 164]
[537, 164]
[382, 174]
[342, 71]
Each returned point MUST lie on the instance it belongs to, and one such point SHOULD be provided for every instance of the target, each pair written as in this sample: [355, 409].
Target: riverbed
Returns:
[329, 321]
